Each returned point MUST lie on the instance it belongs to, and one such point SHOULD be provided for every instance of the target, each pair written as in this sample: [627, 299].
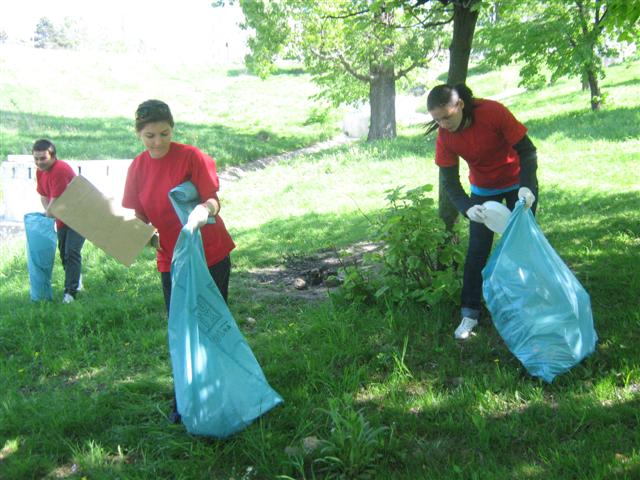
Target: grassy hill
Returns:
[383, 392]
[85, 101]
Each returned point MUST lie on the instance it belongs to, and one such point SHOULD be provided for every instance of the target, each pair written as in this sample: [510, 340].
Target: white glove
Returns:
[197, 218]
[476, 213]
[527, 195]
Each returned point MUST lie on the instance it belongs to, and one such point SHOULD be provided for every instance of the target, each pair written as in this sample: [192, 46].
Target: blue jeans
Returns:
[480, 242]
[70, 245]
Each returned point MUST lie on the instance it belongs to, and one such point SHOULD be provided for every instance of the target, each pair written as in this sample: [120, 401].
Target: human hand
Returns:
[197, 218]
[476, 213]
[527, 195]
[154, 241]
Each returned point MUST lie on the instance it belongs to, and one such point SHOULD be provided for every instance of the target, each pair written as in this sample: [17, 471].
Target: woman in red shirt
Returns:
[502, 167]
[152, 174]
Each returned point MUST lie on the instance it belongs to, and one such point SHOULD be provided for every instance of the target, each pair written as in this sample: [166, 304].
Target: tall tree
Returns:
[355, 49]
[465, 17]
[464, 24]
[568, 38]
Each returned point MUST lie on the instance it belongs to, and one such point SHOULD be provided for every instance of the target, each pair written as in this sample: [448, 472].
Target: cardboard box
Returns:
[100, 220]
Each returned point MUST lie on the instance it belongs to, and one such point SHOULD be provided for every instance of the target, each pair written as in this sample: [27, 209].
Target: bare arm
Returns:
[46, 204]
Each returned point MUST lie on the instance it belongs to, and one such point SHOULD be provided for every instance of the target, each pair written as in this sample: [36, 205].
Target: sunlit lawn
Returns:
[390, 394]
[86, 102]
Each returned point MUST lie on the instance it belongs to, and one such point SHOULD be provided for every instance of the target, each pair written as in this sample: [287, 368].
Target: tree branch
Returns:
[346, 15]
[337, 56]
[349, 68]
[405, 71]
[426, 24]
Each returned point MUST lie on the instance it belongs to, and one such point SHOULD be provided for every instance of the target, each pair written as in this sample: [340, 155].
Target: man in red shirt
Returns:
[53, 176]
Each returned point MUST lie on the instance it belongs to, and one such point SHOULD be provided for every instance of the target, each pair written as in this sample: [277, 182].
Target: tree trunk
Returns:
[464, 25]
[596, 98]
[382, 99]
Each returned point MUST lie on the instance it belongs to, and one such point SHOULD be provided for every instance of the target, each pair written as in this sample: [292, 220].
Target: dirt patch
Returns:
[311, 277]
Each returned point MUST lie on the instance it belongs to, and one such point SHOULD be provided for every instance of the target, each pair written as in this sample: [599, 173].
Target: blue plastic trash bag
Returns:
[538, 306]
[41, 254]
[220, 387]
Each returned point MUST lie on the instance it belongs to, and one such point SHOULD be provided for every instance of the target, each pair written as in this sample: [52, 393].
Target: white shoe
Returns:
[465, 328]
[67, 298]
[80, 286]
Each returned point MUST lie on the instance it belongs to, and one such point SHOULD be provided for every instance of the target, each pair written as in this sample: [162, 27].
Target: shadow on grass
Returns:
[274, 242]
[117, 385]
[237, 72]
[619, 124]
[597, 235]
[569, 437]
[103, 138]
[612, 84]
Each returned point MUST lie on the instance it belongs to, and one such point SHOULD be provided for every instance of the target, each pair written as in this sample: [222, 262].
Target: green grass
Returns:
[386, 392]
[85, 103]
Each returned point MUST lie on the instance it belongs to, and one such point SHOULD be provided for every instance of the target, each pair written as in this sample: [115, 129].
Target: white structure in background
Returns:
[355, 123]
[18, 183]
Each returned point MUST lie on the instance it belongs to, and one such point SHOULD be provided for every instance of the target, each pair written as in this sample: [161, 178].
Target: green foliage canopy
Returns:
[569, 38]
[343, 42]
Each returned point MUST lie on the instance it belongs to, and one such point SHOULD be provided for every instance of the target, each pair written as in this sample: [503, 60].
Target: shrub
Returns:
[419, 259]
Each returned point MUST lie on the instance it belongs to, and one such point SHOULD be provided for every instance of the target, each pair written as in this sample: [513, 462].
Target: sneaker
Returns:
[80, 286]
[465, 328]
[68, 298]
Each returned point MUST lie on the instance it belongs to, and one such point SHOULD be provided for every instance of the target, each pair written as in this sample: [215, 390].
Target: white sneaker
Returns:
[80, 286]
[67, 298]
[465, 328]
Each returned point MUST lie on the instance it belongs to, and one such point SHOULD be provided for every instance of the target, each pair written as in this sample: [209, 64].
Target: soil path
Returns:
[231, 174]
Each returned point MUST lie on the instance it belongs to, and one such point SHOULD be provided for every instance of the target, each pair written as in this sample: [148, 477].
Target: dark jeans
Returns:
[480, 242]
[70, 245]
[219, 272]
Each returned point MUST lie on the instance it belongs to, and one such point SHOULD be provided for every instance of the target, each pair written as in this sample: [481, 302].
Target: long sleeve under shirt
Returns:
[528, 167]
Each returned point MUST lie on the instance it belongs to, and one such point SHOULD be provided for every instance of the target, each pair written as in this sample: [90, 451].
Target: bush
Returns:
[419, 259]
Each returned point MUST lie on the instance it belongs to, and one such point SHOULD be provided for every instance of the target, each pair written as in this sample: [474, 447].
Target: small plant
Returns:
[419, 261]
[318, 115]
[353, 447]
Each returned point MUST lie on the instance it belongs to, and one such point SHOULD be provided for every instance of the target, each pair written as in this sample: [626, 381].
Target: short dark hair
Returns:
[42, 145]
[152, 111]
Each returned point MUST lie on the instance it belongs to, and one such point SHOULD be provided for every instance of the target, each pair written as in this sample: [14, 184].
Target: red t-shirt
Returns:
[486, 145]
[147, 187]
[54, 181]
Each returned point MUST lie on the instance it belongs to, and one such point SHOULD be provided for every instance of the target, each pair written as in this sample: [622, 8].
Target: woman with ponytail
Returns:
[502, 167]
